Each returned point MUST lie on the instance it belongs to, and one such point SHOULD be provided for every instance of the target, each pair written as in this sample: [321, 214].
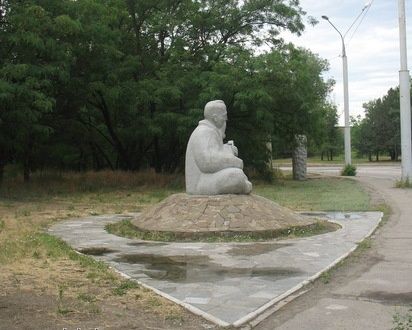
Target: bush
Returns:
[348, 170]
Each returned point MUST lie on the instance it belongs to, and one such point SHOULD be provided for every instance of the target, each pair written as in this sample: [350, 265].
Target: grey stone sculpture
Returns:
[299, 158]
[213, 168]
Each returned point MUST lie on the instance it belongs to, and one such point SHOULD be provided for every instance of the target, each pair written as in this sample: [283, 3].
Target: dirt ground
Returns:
[42, 286]
[59, 294]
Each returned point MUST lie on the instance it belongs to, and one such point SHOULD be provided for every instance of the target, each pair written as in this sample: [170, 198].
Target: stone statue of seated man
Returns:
[213, 168]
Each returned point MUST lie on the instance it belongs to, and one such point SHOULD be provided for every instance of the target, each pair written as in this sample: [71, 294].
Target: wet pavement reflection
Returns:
[199, 268]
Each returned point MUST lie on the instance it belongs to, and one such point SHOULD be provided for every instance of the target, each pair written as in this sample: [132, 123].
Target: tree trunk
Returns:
[370, 156]
[157, 161]
[321, 156]
[1, 173]
[377, 156]
[105, 157]
[27, 158]
[156, 158]
[26, 170]
[110, 127]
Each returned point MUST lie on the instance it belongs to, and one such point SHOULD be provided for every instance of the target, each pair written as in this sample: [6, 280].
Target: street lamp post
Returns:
[348, 156]
[405, 98]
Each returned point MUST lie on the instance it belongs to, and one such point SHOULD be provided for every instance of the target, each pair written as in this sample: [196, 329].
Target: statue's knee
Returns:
[236, 174]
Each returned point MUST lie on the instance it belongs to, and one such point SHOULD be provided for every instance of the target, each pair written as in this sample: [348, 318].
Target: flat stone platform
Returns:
[227, 283]
[182, 213]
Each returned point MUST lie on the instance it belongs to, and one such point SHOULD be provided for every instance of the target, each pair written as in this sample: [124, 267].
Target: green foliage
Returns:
[331, 141]
[349, 170]
[379, 131]
[94, 84]
[402, 321]
[124, 286]
[365, 244]
[403, 183]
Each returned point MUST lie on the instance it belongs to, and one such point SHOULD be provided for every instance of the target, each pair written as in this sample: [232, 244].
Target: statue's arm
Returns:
[212, 156]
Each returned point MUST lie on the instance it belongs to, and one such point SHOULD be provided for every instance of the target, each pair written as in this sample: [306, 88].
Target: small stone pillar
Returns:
[299, 158]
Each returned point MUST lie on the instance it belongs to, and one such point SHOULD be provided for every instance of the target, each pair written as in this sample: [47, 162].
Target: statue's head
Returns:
[215, 111]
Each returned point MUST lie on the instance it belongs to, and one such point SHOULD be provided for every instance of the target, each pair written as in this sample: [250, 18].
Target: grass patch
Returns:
[54, 183]
[324, 194]
[364, 245]
[85, 297]
[339, 160]
[325, 277]
[61, 306]
[348, 170]
[386, 210]
[402, 321]
[125, 228]
[403, 183]
[125, 286]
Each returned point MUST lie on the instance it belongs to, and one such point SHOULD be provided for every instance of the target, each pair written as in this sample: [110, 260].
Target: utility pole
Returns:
[348, 152]
[405, 98]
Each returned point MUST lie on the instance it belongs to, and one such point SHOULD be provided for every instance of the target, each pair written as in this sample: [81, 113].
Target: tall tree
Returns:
[122, 83]
[379, 131]
[34, 63]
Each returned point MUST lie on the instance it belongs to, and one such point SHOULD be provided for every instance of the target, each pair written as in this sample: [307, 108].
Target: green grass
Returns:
[325, 194]
[337, 160]
[124, 286]
[348, 170]
[402, 321]
[126, 229]
[386, 210]
[37, 245]
[365, 244]
[85, 297]
[403, 184]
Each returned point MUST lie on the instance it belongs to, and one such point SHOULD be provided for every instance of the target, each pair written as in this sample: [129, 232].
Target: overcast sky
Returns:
[373, 51]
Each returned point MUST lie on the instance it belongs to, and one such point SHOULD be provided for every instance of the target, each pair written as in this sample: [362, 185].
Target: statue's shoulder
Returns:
[204, 127]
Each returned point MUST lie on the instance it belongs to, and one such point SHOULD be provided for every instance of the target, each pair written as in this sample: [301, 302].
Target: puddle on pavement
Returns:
[404, 298]
[255, 248]
[146, 244]
[198, 268]
[344, 216]
[313, 214]
[96, 251]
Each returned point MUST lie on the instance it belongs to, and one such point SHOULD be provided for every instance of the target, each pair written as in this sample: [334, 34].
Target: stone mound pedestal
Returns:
[188, 214]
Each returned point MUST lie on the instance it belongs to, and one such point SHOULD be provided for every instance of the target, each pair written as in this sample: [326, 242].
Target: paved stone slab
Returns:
[183, 213]
[227, 283]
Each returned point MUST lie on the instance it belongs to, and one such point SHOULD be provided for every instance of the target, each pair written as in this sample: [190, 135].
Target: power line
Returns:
[333, 58]
[356, 19]
[360, 22]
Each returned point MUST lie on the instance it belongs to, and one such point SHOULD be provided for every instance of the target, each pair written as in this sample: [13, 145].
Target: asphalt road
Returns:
[370, 171]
